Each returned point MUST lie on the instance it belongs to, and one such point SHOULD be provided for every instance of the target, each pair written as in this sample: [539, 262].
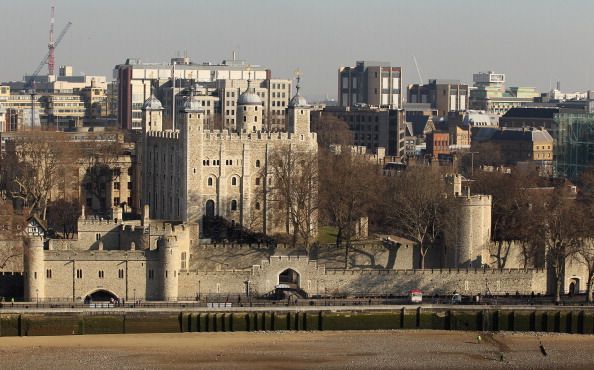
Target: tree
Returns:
[331, 130]
[63, 215]
[585, 254]
[99, 160]
[562, 234]
[32, 165]
[12, 225]
[294, 191]
[417, 206]
[348, 190]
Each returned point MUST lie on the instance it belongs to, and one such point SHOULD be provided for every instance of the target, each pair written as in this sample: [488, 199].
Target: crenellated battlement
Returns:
[98, 221]
[167, 134]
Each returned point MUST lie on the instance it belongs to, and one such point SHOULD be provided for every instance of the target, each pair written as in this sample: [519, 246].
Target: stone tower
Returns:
[35, 269]
[473, 230]
[249, 111]
[299, 114]
[152, 114]
[170, 260]
[191, 118]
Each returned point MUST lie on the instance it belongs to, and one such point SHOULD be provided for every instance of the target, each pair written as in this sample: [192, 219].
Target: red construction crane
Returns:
[49, 59]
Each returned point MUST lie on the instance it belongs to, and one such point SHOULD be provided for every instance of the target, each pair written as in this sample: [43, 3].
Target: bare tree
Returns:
[63, 215]
[31, 167]
[294, 191]
[562, 234]
[417, 207]
[331, 130]
[12, 226]
[585, 255]
[99, 160]
[348, 190]
[509, 216]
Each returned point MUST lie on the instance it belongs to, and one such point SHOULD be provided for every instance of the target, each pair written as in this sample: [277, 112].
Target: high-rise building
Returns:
[372, 83]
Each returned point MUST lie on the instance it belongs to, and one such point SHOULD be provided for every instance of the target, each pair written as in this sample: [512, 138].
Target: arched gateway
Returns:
[101, 295]
[290, 278]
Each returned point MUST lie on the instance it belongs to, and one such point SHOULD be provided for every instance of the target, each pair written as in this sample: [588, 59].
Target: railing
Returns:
[241, 300]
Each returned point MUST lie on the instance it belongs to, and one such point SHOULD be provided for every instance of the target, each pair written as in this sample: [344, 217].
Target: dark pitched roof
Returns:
[419, 124]
[531, 113]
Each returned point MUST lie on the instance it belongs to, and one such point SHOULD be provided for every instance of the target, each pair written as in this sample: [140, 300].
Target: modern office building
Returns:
[224, 82]
[489, 94]
[444, 95]
[372, 127]
[372, 83]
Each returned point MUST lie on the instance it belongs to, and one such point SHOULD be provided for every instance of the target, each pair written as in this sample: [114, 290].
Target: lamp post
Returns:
[134, 295]
[471, 161]
[37, 297]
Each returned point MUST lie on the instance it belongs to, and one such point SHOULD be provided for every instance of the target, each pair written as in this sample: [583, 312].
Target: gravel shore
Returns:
[311, 350]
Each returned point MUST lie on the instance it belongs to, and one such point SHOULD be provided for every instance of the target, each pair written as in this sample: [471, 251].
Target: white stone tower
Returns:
[249, 111]
[299, 114]
[152, 114]
[35, 269]
[170, 260]
[191, 125]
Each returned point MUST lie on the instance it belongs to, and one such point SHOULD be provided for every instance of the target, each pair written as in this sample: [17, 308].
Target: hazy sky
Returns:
[534, 42]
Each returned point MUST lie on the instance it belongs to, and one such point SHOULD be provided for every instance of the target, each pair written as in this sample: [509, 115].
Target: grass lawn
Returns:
[327, 234]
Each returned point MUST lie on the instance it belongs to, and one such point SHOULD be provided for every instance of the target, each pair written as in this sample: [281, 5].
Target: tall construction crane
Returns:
[48, 59]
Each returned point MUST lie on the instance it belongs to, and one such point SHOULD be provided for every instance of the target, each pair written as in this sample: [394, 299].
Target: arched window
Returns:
[257, 205]
[255, 118]
[257, 181]
[210, 181]
[234, 205]
[257, 163]
[234, 181]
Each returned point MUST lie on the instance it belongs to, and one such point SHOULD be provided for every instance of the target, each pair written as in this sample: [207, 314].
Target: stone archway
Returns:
[209, 209]
[574, 286]
[290, 278]
[101, 295]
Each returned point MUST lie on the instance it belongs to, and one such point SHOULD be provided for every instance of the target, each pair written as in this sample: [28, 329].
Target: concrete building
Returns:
[372, 83]
[225, 81]
[489, 94]
[445, 96]
[372, 127]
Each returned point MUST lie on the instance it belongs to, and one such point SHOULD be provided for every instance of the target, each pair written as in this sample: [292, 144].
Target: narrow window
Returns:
[234, 205]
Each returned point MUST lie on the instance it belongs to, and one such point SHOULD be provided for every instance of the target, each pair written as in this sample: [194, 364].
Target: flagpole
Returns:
[173, 98]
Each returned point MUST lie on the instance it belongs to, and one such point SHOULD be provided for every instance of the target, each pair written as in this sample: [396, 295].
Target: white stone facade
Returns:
[194, 172]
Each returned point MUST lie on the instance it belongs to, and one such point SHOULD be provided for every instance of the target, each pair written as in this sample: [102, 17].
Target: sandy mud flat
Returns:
[304, 350]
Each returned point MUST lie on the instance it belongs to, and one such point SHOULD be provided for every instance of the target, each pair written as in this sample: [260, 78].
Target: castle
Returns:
[191, 173]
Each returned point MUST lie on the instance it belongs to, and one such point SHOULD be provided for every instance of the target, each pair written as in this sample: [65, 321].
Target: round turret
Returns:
[192, 105]
[152, 103]
[298, 101]
[249, 97]
[170, 260]
[249, 111]
[34, 269]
